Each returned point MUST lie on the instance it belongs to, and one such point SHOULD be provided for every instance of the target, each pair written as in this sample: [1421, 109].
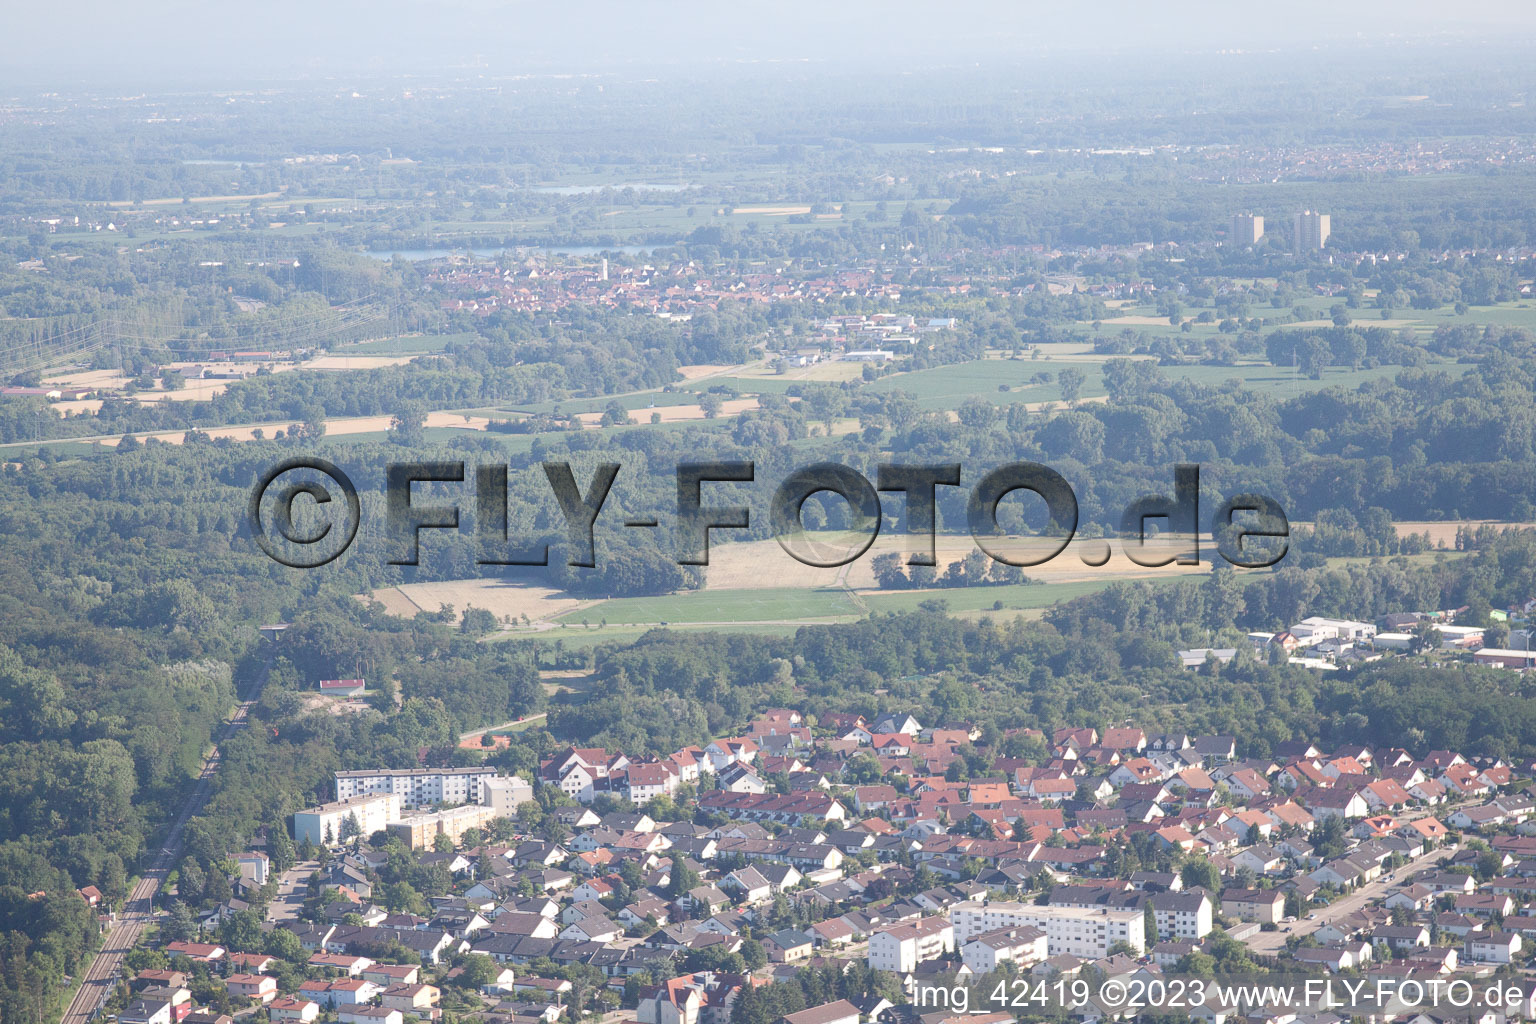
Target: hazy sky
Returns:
[64, 42]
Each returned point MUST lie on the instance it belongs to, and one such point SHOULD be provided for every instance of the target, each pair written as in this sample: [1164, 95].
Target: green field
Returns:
[748, 385]
[1020, 597]
[636, 402]
[946, 387]
[1506, 314]
[579, 638]
[721, 606]
[776, 609]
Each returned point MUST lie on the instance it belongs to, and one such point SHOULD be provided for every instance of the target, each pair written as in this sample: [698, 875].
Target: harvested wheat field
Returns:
[1445, 532]
[772, 211]
[1442, 533]
[334, 362]
[764, 564]
[501, 598]
[1056, 406]
[107, 379]
[333, 428]
[829, 370]
[703, 370]
[676, 413]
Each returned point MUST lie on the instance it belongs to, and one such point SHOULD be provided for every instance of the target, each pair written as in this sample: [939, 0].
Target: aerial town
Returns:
[902, 856]
[601, 513]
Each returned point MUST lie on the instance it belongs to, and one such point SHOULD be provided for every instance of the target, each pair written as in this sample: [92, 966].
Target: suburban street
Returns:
[291, 889]
[1269, 943]
[138, 912]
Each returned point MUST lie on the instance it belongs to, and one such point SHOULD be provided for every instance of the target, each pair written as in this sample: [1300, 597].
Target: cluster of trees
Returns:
[1339, 533]
[812, 986]
[95, 749]
[976, 569]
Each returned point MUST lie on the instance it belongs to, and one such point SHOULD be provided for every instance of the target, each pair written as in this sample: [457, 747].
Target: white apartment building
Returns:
[324, 825]
[902, 948]
[417, 786]
[1022, 946]
[646, 782]
[580, 783]
[1075, 931]
[1183, 915]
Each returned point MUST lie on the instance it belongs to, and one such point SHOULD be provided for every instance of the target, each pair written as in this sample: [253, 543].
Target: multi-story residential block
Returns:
[503, 794]
[1312, 231]
[420, 831]
[1076, 931]
[1247, 229]
[417, 786]
[902, 948]
[1183, 915]
[1265, 905]
[646, 782]
[1022, 946]
[329, 823]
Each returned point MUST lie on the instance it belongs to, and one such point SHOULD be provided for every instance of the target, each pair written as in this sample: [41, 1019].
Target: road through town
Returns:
[139, 910]
[1270, 943]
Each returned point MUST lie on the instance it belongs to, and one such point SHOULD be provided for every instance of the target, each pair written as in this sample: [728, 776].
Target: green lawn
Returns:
[579, 638]
[732, 606]
[732, 609]
[1506, 314]
[946, 387]
[636, 403]
[749, 385]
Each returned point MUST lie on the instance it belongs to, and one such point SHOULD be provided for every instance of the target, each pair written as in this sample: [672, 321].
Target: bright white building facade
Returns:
[417, 786]
[1074, 931]
[326, 825]
[902, 948]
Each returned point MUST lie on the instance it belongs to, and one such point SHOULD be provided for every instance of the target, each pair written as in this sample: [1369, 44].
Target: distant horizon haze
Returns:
[160, 43]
